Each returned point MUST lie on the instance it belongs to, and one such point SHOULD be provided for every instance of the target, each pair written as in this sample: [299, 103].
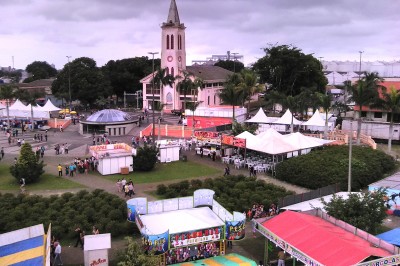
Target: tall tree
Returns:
[27, 165]
[188, 84]
[125, 74]
[7, 93]
[40, 70]
[365, 93]
[134, 255]
[162, 79]
[231, 94]
[391, 103]
[365, 211]
[287, 69]
[234, 66]
[326, 103]
[249, 85]
[87, 81]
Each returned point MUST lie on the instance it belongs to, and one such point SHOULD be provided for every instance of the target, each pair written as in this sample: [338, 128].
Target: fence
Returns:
[343, 136]
[168, 131]
[314, 194]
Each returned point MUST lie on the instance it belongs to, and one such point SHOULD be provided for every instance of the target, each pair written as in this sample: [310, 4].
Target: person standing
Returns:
[95, 230]
[2, 152]
[45, 136]
[57, 254]
[281, 258]
[78, 232]
[59, 168]
[66, 148]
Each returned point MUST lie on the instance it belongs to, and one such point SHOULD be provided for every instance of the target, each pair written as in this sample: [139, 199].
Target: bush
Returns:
[145, 159]
[330, 166]
[65, 212]
[235, 193]
[27, 165]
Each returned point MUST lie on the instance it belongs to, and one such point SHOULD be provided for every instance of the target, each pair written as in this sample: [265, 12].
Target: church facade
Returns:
[173, 59]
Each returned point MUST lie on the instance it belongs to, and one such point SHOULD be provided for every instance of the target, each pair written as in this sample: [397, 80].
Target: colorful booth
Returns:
[186, 229]
[112, 158]
[227, 260]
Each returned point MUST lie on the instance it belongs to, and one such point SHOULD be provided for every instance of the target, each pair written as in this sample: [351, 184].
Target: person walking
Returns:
[2, 152]
[45, 136]
[57, 254]
[22, 185]
[59, 168]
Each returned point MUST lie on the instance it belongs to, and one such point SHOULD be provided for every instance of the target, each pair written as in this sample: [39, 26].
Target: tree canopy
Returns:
[365, 211]
[125, 74]
[88, 82]
[40, 70]
[27, 165]
[234, 66]
[287, 69]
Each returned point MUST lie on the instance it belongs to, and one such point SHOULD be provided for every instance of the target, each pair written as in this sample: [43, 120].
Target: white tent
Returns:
[2, 106]
[259, 117]
[269, 132]
[252, 141]
[50, 107]
[315, 120]
[18, 105]
[304, 142]
[286, 119]
[275, 145]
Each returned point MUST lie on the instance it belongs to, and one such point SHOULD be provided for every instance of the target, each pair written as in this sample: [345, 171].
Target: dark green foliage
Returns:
[231, 65]
[27, 165]
[238, 128]
[145, 158]
[65, 213]
[40, 70]
[235, 193]
[365, 211]
[330, 166]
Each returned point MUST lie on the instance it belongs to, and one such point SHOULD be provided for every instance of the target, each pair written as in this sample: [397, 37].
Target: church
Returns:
[173, 59]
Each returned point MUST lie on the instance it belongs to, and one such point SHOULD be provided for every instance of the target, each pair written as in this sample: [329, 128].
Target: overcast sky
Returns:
[49, 30]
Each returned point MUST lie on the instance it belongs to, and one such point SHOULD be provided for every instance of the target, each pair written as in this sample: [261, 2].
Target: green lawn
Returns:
[47, 181]
[170, 171]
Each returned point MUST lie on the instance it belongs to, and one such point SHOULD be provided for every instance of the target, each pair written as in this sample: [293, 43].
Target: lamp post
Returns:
[69, 84]
[152, 101]
[350, 152]
[359, 70]
[234, 62]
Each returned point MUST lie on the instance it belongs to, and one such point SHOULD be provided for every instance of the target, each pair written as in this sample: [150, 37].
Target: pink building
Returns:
[173, 58]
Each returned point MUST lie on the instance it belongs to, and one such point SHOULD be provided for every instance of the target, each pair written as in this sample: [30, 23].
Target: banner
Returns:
[235, 230]
[208, 136]
[192, 253]
[195, 237]
[131, 212]
[156, 243]
[233, 141]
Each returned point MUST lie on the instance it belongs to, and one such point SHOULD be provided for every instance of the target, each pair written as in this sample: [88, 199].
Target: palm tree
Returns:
[391, 103]
[326, 103]
[291, 103]
[162, 79]
[249, 85]
[188, 83]
[7, 93]
[365, 93]
[29, 98]
[231, 94]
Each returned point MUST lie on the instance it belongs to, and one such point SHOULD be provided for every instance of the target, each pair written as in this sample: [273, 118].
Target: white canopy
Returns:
[252, 141]
[49, 107]
[274, 144]
[259, 117]
[2, 106]
[18, 109]
[286, 119]
[18, 105]
[302, 142]
[315, 120]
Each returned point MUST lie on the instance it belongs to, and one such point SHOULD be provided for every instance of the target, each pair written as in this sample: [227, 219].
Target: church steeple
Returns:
[173, 15]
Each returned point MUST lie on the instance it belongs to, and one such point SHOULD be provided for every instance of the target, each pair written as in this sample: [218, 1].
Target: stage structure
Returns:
[187, 228]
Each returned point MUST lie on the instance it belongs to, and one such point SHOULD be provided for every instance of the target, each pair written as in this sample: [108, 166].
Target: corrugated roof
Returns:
[209, 73]
[38, 83]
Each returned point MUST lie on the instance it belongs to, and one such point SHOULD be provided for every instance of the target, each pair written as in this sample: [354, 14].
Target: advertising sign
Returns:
[235, 230]
[233, 141]
[195, 237]
[192, 253]
[131, 212]
[157, 243]
[207, 136]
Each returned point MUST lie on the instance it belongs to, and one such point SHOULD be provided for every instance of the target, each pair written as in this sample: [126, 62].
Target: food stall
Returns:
[113, 158]
[207, 143]
[168, 150]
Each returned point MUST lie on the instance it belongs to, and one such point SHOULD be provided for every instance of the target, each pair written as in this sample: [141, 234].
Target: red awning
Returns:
[322, 240]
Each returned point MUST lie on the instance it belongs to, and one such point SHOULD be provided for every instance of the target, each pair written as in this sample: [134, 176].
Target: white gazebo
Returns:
[316, 122]
[286, 119]
[260, 117]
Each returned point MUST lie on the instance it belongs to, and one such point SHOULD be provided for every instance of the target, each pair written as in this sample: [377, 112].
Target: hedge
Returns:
[235, 193]
[329, 165]
[65, 213]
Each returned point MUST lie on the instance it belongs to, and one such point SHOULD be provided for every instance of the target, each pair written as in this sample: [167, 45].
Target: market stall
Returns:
[187, 228]
[112, 158]
[168, 150]
[207, 143]
[96, 249]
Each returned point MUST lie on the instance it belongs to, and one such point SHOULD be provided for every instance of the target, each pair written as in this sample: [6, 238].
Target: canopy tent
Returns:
[274, 145]
[18, 109]
[322, 241]
[392, 236]
[49, 107]
[304, 142]
[18, 105]
[2, 106]
[269, 133]
[286, 119]
[315, 120]
[260, 117]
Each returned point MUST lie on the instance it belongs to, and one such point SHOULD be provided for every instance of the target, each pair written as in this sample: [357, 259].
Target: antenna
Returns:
[12, 58]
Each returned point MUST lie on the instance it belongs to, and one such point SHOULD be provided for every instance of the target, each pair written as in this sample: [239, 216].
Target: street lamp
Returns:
[152, 101]
[234, 59]
[69, 84]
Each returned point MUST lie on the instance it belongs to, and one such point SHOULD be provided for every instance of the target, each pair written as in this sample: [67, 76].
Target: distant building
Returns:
[173, 58]
[215, 58]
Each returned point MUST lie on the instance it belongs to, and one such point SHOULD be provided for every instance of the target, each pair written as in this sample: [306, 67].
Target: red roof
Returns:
[321, 240]
[387, 85]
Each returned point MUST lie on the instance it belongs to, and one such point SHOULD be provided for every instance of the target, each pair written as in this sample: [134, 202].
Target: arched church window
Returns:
[167, 42]
[179, 42]
[172, 72]
[172, 41]
[169, 97]
[167, 70]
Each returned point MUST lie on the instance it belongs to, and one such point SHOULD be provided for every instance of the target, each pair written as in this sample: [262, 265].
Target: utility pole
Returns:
[69, 84]
[152, 101]
[350, 152]
[359, 70]
[234, 62]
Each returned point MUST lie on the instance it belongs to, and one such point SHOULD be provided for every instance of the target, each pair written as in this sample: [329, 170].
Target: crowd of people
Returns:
[258, 211]
[126, 187]
[81, 166]
[192, 253]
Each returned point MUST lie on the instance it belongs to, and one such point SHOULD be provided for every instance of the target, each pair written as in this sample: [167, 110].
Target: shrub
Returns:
[27, 165]
[145, 159]
[330, 166]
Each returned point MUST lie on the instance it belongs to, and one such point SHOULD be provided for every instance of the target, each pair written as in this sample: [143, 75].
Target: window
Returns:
[172, 72]
[179, 42]
[208, 100]
[172, 41]
[167, 70]
[378, 115]
[363, 114]
[215, 99]
[167, 42]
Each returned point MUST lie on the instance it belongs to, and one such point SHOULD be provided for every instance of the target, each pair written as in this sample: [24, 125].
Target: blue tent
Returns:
[392, 236]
